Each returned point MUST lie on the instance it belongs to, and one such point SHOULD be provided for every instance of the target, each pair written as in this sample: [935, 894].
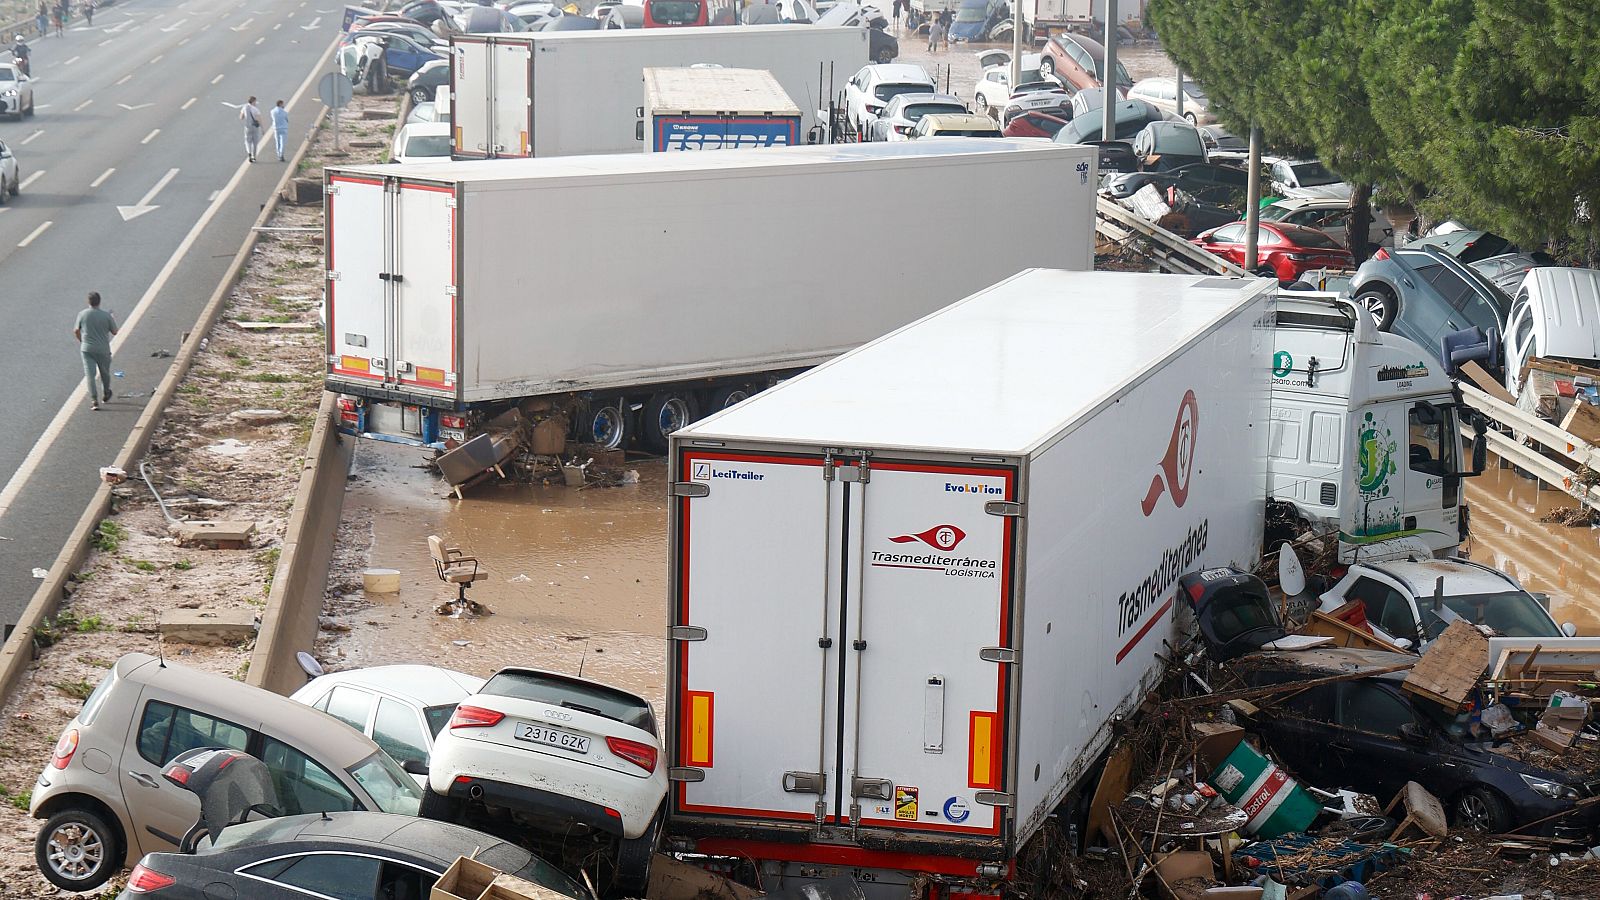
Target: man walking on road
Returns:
[251, 117]
[93, 333]
[280, 127]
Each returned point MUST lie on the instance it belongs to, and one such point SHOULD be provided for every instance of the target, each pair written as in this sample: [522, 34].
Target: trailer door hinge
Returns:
[690, 489]
[1000, 655]
[331, 190]
[1003, 508]
[876, 788]
[995, 798]
[805, 782]
[686, 633]
[858, 472]
[449, 290]
[686, 773]
[332, 275]
[450, 203]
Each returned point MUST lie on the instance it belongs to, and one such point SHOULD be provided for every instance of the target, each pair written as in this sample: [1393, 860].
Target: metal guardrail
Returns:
[1169, 251]
[1513, 448]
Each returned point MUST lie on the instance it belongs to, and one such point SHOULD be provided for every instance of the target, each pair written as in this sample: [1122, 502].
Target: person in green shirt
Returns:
[93, 333]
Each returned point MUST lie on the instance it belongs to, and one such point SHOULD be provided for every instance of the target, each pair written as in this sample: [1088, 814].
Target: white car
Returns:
[421, 142]
[994, 84]
[1304, 178]
[871, 89]
[16, 92]
[1555, 315]
[905, 110]
[1162, 93]
[401, 708]
[565, 756]
[1399, 600]
[10, 173]
[1327, 215]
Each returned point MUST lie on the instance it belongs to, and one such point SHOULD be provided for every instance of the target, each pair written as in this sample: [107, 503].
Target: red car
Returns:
[1035, 124]
[1283, 251]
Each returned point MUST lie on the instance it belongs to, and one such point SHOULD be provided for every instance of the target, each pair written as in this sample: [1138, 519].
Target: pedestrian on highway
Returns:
[898, 11]
[55, 21]
[251, 117]
[88, 11]
[41, 21]
[93, 334]
[280, 127]
[935, 35]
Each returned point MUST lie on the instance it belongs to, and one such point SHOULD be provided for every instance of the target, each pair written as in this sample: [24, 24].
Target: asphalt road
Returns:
[134, 185]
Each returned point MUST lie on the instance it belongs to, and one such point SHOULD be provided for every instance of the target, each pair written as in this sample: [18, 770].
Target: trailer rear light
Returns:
[143, 880]
[453, 421]
[641, 755]
[1383, 253]
[347, 404]
[66, 746]
[475, 717]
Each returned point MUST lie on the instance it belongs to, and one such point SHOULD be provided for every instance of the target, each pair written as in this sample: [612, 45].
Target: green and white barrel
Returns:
[1273, 802]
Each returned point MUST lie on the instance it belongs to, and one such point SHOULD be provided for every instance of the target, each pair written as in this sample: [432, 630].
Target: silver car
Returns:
[106, 804]
[16, 92]
[10, 173]
[906, 110]
[1425, 294]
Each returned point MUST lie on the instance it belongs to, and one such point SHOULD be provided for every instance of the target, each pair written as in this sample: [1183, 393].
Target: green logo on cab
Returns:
[1282, 363]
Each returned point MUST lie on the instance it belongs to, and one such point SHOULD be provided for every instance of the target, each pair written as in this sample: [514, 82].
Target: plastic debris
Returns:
[40, 573]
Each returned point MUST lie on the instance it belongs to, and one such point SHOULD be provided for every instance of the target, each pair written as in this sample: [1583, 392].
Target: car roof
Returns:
[899, 73]
[422, 685]
[437, 840]
[296, 723]
[1299, 203]
[427, 128]
[1461, 576]
[1571, 310]
[967, 121]
[908, 99]
[1094, 48]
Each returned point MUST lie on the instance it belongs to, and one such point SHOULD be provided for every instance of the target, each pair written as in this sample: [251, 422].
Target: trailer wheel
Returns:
[665, 413]
[603, 423]
[724, 397]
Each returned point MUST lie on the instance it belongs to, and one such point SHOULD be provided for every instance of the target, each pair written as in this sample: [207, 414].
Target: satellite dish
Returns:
[1291, 575]
[309, 665]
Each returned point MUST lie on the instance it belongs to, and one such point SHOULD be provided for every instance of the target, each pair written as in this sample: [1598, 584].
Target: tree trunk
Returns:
[1360, 219]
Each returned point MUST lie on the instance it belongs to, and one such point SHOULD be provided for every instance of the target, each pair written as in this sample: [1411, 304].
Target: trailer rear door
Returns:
[854, 665]
[511, 100]
[471, 95]
[358, 332]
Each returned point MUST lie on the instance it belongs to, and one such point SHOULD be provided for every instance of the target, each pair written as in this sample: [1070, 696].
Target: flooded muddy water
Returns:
[576, 578]
[1558, 560]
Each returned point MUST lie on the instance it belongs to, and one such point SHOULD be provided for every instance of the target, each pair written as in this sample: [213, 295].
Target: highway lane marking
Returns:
[239, 58]
[47, 439]
[81, 106]
[243, 25]
[130, 213]
[33, 234]
[216, 79]
[158, 58]
[24, 141]
[151, 136]
[277, 26]
[125, 79]
[261, 40]
[70, 61]
[188, 103]
[182, 42]
[105, 42]
[102, 179]
[208, 199]
[175, 25]
[135, 107]
[31, 179]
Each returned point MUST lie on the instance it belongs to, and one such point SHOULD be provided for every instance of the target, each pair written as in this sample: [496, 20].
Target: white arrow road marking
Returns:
[30, 137]
[313, 26]
[137, 107]
[130, 213]
[175, 25]
[102, 179]
[230, 105]
[31, 179]
[33, 234]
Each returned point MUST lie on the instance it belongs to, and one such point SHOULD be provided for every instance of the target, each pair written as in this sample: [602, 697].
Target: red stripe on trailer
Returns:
[1160, 614]
[836, 855]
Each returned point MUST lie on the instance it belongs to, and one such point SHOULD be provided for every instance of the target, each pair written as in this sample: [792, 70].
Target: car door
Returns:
[1225, 242]
[398, 728]
[1371, 749]
[1300, 732]
[160, 811]
[350, 705]
[1519, 341]
[325, 874]
[1377, 594]
[404, 56]
[1424, 314]
[302, 784]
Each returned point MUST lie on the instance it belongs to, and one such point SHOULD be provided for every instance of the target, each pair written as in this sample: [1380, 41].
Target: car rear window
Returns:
[1313, 173]
[97, 698]
[428, 145]
[1308, 237]
[916, 111]
[887, 92]
[586, 696]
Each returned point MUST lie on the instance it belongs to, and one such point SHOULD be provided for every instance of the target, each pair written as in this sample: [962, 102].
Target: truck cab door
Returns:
[1432, 487]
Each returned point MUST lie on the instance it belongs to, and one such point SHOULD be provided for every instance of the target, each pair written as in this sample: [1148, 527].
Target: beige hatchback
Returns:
[105, 803]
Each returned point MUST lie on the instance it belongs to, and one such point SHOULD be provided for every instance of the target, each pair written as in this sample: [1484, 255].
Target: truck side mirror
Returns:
[1480, 453]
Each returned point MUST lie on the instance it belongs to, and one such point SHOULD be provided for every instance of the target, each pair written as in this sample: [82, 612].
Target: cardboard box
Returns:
[1559, 726]
[466, 879]
[1187, 866]
[1214, 741]
[510, 887]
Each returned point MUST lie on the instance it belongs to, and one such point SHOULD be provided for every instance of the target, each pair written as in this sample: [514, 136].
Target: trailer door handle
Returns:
[805, 782]
[875, 788]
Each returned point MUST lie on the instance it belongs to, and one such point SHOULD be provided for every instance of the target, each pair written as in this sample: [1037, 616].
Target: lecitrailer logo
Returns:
[945, 539]
[1175, 468]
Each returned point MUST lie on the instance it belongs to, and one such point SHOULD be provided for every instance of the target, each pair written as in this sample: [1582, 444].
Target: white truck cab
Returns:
[1364, 435]
[1409, 602]
[1555, 315]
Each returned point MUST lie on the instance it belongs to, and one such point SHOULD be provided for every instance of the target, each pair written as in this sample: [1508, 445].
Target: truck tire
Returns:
[603, 423]
[1382, 305]
[724, 397]
[665, 413]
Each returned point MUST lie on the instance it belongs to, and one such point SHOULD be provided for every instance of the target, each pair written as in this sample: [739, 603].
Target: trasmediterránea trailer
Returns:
[912, 587]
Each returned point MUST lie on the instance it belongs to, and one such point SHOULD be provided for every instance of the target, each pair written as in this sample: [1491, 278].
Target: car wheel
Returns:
[885, 55]
[633, 859]
[31, 109]
[420, 95]
[1267, 272]
[77, 851]
[1047, 67]
[667, 412]
[1381, 305]
[1482, 810]
[1191, 117]
[438, 808]
[16, 185]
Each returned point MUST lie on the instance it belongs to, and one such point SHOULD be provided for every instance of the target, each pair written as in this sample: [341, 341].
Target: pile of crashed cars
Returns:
[1322, 756]
[430, 784]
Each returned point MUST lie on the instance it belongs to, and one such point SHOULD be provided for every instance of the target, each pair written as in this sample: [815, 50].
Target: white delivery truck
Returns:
[637, 290]
[1365, 437]
[568, 93]
[912, 587]
[715, 108]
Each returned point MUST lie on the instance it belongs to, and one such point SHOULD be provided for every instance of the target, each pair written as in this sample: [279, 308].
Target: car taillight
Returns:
[1195, 592]
[1383, 253]
[143, 880]
[641, 755]
[453, 421]
[902, 129]
[66, 745]
[475, 717]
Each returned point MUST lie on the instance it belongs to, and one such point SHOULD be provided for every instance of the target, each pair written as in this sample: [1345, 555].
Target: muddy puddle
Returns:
[576, 578]
[1561, 561]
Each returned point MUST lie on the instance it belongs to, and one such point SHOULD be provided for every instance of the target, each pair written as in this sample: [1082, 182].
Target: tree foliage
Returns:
[1486, 110]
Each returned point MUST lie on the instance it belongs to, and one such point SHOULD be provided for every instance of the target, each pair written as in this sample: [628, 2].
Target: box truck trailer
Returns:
[637, 290]
[576, 92]
[911, 588]
[704, 108]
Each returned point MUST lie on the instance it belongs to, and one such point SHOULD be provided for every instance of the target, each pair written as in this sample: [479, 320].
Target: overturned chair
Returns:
[454, 567]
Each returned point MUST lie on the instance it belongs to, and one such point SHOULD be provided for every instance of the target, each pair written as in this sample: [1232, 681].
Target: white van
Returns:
[1555, 314]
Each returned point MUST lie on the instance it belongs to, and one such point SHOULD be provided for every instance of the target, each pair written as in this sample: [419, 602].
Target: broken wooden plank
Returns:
[1113, 786]
[1452, 666]
[1583, 422]
[1486, 383]
[1344, 634]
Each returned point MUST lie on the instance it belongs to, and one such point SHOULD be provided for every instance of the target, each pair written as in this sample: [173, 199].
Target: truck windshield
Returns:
[676, 12]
